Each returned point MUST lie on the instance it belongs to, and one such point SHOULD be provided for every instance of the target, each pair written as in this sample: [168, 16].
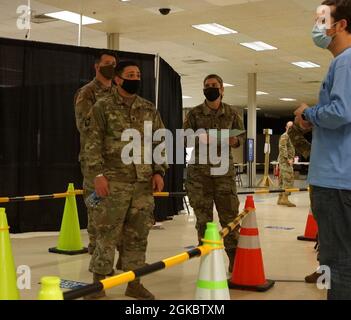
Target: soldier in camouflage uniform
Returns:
[203, 189]
[126, 211]
[84, 100]
[286, 162]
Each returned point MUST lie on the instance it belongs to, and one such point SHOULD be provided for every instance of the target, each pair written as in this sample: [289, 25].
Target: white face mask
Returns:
[320, 37]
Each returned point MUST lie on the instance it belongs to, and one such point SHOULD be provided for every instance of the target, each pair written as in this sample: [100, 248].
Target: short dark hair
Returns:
[99, 55]
[342, 11]
[124, 64]
[214, 76]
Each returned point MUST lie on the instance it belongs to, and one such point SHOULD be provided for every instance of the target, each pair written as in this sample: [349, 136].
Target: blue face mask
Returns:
[320, 37]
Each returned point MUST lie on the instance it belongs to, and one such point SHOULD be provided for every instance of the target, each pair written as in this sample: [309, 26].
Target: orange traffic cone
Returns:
[311, 229]
[248, 270]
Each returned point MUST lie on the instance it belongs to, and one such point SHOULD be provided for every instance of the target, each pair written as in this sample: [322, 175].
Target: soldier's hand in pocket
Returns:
[101, 186]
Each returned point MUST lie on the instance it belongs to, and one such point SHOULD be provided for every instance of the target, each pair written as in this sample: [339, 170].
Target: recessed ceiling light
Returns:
[214, 28]
[261, 93]
[72, 17]
[258, 109]
[287, 99]
[258, 46]
[187, 97]
[228, 85]
[306, 64]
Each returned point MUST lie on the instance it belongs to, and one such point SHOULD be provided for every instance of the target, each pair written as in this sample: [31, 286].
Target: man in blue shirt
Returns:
[330, 163]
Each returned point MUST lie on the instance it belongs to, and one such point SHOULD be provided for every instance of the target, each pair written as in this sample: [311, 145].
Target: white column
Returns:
[113, 41]
[252, 121]
[80, 30]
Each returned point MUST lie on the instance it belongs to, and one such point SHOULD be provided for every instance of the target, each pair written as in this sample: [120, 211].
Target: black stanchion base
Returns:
[262, 288]
[70, 253]
[303, 238]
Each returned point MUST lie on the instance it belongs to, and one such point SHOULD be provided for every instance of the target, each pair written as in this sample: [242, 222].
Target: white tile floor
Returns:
[285, 258]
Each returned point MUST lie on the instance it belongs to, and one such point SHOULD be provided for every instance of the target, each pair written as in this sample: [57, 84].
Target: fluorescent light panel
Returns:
[261, 93]
[214, 28]
[258, 46]
[225, 85]
[287, 99]
[72, 17]
[187, 97]
[306, 64]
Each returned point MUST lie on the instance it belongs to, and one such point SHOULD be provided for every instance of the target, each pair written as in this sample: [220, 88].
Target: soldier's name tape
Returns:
[156, 194]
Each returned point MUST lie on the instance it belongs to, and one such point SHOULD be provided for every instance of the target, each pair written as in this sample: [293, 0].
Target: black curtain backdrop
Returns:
[170, 104]
[39, 142]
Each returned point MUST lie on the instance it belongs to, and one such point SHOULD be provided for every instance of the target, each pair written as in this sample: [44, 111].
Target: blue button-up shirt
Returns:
[330, 164]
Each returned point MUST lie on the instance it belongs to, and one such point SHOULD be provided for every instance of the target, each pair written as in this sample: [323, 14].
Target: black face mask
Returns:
[212, 94]
[108, 72]
[131, 86]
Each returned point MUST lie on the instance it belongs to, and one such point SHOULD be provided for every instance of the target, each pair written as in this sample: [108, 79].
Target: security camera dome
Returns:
[164, 11]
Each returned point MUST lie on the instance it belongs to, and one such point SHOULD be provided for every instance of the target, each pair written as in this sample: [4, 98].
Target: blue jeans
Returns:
[332, 210]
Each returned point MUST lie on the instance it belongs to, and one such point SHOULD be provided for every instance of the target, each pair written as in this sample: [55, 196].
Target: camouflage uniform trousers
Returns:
[286, 176]
[127, 213]
[204, 191]
[88, 186]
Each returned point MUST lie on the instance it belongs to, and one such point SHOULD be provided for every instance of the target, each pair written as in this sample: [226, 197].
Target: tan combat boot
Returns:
[136, 290]
[101, 294]
[280, 199]
[285, 201]
[288, 203]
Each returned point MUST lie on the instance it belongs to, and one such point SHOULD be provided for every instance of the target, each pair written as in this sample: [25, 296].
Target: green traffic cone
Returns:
[69, 240]
[212, 280]
[50, 289]
[212, 234]
[8, 276]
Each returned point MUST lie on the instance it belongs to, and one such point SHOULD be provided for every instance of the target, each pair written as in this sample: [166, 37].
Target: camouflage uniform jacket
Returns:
[202, 117]
[103, 148]
[84, 100]
[286, 150]
[301, 144]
